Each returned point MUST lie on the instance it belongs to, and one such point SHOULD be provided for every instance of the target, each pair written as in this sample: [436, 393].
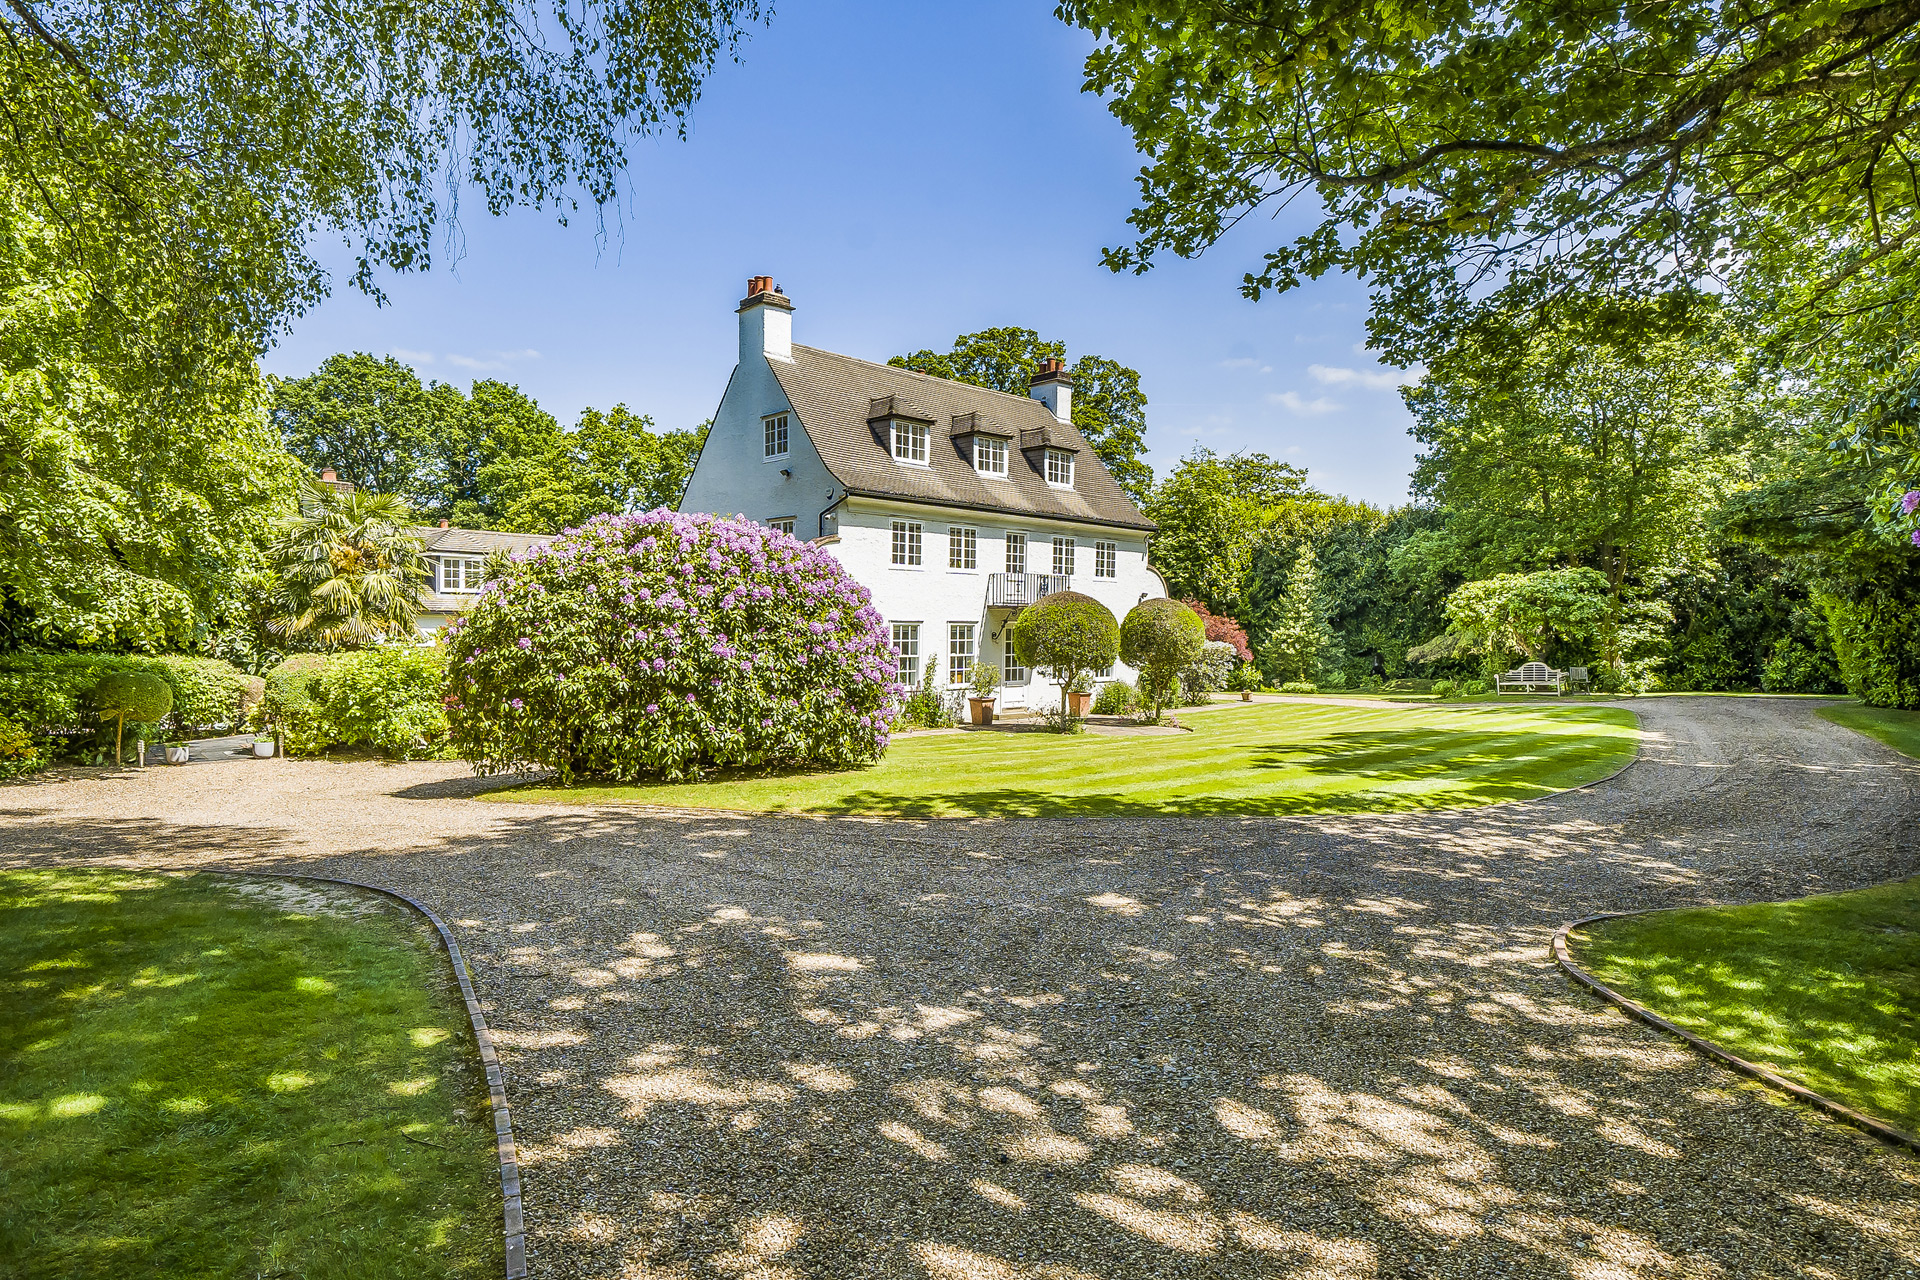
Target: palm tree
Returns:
[350, 571]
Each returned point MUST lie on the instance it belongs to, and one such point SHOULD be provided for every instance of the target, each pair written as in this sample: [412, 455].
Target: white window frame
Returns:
[1106, 559]
[963, 650]
[1060, 468]
[910, 442]
[906, 653]
[467, 569]
[990, 456]
[783, 523]
[1016, 563]
[909, 549]
[1063, 549]
[1011, 672]
[963, 548]
[776, 436]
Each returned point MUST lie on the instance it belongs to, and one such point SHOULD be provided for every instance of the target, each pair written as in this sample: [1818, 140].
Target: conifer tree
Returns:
[1299, 635]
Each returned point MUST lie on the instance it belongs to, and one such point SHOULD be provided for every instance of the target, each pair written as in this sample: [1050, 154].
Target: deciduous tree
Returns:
[1109, 408]
[1529, 149]
[1211, 511]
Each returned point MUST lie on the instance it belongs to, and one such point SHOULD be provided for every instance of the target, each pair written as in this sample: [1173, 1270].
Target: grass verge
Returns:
[1825, 990]
[216, 1078]
[1897, 729]
[1261, 759]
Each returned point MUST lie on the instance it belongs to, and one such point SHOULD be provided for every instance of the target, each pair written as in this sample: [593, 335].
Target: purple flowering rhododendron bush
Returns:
[663, 645]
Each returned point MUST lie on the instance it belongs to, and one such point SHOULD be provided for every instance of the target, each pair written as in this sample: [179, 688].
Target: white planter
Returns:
[263, 750]
[177, 755]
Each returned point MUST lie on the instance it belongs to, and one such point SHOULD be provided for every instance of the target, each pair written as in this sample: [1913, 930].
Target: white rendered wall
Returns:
[735, 477]
[934, 595]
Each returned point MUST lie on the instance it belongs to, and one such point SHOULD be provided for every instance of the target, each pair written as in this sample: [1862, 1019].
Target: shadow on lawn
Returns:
[1482, 769]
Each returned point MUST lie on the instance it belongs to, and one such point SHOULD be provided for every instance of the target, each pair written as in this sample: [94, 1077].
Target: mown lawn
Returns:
[196, 1082]
[1824, 990]
[1265, 759]
[1898, 729]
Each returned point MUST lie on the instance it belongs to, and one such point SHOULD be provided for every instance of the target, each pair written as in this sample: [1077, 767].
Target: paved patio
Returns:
[1311, 1047]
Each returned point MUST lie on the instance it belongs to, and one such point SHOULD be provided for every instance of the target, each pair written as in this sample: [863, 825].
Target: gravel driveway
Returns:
[1053, 1050]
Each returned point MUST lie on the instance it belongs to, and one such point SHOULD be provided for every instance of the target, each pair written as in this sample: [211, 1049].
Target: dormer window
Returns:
[460, 574]
[776, 436]
[990, 455]
[909, 441]
[1060, 468]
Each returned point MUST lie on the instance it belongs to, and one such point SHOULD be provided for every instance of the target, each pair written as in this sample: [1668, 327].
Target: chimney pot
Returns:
[766, 321]
[1052, 386]
[443, 524]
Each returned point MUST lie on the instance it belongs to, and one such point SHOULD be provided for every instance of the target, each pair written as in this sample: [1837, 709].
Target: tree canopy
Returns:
[489, 458]
[1568, 451]
[164, 171]
[1211, 511]
[1109, 408]
[1540, 149]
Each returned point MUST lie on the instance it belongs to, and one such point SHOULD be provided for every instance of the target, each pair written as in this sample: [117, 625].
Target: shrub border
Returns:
[1859, 1119]
[513, 1219]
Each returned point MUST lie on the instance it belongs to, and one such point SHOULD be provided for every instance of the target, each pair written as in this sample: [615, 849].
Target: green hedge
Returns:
[1876, 643]
[52, 693]
[388, 699]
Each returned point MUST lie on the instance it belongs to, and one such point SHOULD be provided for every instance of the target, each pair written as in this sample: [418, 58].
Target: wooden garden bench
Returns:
[1529, 677]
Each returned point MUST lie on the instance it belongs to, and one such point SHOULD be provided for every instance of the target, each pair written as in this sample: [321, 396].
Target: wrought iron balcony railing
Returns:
[1018, 590]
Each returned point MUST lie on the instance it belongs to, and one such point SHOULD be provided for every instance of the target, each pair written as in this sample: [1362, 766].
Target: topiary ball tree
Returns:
[1068, 636]
[663, 645]
[140, 696]
[1161, 638]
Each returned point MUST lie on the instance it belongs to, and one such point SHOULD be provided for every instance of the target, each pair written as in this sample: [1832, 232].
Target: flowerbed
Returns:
[663, 645]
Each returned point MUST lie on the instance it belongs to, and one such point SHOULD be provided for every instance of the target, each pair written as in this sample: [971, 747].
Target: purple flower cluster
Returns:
[664, 644]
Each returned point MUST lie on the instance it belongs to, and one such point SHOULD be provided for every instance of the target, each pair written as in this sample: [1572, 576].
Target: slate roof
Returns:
[834, 397]
[474, 542]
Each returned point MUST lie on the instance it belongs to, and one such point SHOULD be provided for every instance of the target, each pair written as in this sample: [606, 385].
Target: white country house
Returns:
[955, 505]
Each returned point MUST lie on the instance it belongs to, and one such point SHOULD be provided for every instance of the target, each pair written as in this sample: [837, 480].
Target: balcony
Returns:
[1018, 590]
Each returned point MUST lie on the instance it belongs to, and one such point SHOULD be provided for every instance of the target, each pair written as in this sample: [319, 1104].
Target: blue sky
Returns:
[907, 173]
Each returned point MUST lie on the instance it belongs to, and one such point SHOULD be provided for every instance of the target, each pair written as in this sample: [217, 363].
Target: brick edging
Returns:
[512, 1218]
[1878, 1128]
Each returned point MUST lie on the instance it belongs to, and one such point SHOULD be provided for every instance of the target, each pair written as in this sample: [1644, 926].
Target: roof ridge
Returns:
[930, 377]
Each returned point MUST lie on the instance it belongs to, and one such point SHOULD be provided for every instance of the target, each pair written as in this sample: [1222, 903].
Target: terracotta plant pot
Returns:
[980, 710]
[1077, 703]
[1246, 695]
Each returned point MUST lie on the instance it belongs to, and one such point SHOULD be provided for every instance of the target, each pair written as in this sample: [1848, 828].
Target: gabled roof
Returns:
[838, 399]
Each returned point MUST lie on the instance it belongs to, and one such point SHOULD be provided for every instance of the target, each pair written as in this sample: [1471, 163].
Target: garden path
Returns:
[1321, 1047]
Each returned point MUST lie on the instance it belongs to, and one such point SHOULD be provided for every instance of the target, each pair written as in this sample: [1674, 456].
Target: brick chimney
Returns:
[1052, 386]
[766, 322]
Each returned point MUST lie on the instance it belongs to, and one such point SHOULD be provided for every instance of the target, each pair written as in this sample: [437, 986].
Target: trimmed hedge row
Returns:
[390, 699]
[52, 693]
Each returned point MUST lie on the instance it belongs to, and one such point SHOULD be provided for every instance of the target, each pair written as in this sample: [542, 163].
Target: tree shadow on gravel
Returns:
[130, 842]
[1328, 1048]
